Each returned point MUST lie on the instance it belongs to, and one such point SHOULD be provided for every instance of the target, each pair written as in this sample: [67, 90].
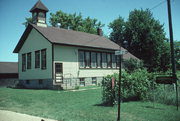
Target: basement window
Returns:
[40, 81]
[94, 80]
[27, 81]
[82, 81]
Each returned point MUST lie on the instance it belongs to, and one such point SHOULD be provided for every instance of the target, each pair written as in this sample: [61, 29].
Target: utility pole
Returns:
[172, 49]
[119, 89]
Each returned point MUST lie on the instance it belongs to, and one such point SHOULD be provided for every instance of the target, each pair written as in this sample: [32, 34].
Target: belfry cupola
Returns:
[39, 11]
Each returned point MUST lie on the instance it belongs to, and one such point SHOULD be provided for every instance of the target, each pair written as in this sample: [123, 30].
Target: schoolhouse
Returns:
[51, 56]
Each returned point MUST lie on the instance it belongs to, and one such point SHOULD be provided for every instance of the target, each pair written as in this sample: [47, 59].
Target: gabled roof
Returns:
[8, 67]
[68, 37]
[71, 38]
[39, 5]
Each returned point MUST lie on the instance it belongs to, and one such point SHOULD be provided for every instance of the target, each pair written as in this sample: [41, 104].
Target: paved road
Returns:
[13, 116]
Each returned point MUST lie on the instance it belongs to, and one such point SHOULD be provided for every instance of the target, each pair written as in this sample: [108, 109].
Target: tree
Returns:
[75, 22]
[27, 20]
[117, 34]
[177, 54]
[146, 38]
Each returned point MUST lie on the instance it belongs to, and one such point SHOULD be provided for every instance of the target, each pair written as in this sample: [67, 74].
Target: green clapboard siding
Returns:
[36, 41]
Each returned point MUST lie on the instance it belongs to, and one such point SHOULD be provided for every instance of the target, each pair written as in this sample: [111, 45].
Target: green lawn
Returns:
[80, 106]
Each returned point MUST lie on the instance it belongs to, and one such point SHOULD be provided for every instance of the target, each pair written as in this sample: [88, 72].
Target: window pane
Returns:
[29, 61]
[99, 60]
[23, 62]
[93, 59]
[81, 59]
[43, 59]
[104, 60]
[37, 59]
[59, 68]
[113, 61]
[41, 14]
[87, 57]
[109, 60]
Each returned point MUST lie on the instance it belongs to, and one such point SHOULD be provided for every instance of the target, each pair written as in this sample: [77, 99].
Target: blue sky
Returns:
[13, 13]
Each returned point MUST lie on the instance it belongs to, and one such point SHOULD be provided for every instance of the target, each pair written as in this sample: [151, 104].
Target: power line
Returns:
[158, 4]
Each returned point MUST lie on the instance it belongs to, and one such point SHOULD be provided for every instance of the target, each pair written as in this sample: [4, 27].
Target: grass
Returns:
[80, 106]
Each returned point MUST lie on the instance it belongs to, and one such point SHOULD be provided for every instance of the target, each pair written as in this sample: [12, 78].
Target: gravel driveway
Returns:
[13, 116]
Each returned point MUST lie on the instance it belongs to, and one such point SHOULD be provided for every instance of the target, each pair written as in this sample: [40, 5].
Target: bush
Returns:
[132, 65]
[76, 87]
[134, 86]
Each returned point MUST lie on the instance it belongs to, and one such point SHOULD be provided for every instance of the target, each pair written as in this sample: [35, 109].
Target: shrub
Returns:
[76, 87]
[135, 86]
[132, 65]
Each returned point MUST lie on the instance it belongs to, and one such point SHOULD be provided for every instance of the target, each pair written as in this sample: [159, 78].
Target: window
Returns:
[41, 14]
[23, 62]
[109, 60]
[113, 61]
[99, 60]
[81, 59]
[29, 61]
[37, 59]
[104, 60]
[93, 59]
[27, 82]
[59, 68]
[40, 81]
[43, 59]
[94, 80]
[82, 82]
[87, 59]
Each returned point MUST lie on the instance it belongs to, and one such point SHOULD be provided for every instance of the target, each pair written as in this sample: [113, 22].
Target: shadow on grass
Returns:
[153, 107]
[104, 105]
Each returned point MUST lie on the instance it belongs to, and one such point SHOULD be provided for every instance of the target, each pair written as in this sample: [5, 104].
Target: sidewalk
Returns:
[13, 116]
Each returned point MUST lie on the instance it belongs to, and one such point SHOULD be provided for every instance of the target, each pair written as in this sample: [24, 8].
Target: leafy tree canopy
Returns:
[145, 36]
[27, 20]
[75, 22]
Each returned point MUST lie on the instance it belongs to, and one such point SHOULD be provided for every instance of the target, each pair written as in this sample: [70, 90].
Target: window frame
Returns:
[23, 62]
[95, 59]
[29, 62]
[43, 61]
[83, 53]
[37, 63]
[99, 54]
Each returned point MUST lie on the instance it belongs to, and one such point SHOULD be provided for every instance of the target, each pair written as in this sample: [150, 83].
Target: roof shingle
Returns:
[8, 67]
[39, 5]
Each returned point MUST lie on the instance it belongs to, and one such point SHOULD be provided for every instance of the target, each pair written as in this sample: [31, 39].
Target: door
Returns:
[58, 72]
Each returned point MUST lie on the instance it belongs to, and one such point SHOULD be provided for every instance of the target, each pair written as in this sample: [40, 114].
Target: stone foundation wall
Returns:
[11, 82]
[37, 84]
[68, 83]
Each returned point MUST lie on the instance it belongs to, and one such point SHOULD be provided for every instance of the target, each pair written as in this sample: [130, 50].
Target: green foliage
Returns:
[164, 94]
[76, 87]
[75, 22]
[135, 86]
[117, 34]
[145, 36]
[27, 20]
[177, 54]
[132, 64]
[80, 106]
